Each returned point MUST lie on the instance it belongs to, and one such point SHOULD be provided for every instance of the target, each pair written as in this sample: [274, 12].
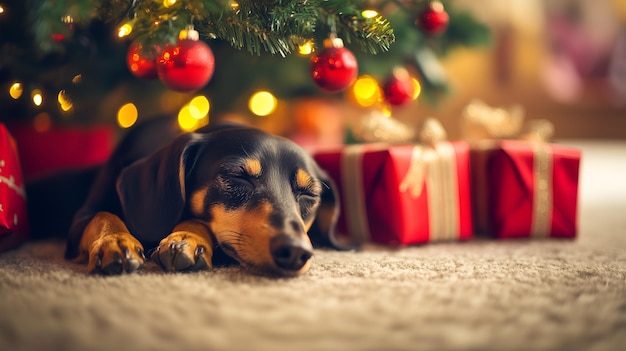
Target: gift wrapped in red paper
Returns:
[525, 189]
[402, 194]
[522, 185]
[13, 221]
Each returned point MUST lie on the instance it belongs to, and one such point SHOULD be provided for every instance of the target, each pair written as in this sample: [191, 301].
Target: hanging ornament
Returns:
[189, 65]
[140, 64]
[399, 89]
[335, 68]
[434, 19]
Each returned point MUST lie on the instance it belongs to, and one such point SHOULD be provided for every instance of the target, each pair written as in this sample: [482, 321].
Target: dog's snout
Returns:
[290, 253]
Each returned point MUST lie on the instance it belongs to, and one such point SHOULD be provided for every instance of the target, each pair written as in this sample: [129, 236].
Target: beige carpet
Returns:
[479, 295]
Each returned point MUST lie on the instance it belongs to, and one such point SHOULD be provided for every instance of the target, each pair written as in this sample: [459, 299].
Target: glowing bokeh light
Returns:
[37, 97]
[16, 90]
[366, 91]
[262, 103]
[199, 106]
[127, 115]
[42, 122]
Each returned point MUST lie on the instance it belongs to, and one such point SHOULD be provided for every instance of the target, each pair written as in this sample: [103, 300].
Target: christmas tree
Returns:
[67, 59]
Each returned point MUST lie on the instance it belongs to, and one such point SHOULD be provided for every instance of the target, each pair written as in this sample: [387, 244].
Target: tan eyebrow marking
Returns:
[305, 181]
[253, 167]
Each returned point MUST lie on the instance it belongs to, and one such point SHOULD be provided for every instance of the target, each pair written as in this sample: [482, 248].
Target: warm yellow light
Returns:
[168, 3]
[386, 110]
[369, 13]
[125, 30]
[262, 103]
[187, 119]
[64, 101]
[417, 88]
[37, 97]
[127, 115]
[67, 19]
[1, 9]
[42, 122]
[16, 90]
[199, 106]
[306, 48]
[234, 5]
[366, 91]
[77, 79]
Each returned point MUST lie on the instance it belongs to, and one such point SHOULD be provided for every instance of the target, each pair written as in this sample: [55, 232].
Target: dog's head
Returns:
[264, 198]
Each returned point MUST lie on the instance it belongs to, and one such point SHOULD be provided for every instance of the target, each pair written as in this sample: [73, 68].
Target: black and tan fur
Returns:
[258, 198]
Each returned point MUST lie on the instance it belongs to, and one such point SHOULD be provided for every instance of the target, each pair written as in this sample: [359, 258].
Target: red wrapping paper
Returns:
[504, 177]
[13, 219]
[397, 217]
[58, 149]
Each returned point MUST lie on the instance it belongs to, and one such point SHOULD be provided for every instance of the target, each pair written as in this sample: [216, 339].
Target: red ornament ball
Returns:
[399, 89]
[186, 67]
[335, 68]
[139, 64]
[434, 19]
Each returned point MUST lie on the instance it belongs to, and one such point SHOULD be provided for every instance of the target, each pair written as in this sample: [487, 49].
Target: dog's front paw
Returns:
[115, 254]
[183, 251]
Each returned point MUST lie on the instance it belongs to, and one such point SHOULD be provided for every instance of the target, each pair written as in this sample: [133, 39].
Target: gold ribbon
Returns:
[542, 194]
[433, 164]
[354, 192]
[486, 122]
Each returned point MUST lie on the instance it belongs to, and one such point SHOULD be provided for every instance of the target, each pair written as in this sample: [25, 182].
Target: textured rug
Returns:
[477, 295]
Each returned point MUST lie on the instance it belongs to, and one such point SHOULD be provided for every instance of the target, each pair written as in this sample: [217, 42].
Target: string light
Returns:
[168, 3]
[37, 97]
[262, 103]
[1, 9]
[306, 48]
[77, 79]
[369, 13]
[125, 29]
[16, 90]
[127, 115]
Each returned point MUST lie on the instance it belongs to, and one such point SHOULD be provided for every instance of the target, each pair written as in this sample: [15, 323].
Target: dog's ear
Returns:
[323, 231]
[152, 189]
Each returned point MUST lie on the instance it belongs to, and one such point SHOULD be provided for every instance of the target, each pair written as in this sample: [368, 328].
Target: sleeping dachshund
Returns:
[257, 198]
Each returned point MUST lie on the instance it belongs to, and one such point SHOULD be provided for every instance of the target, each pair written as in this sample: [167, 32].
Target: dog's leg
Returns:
[109, 247]
[188, 248]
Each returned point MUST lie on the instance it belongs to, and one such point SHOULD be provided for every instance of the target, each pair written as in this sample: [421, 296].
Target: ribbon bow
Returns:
[424, 155]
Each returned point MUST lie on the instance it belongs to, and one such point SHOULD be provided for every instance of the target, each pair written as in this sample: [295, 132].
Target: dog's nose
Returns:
[290, 253]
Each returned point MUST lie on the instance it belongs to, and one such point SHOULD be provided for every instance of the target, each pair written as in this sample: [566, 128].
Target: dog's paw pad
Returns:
[182, 252]
[116, 254]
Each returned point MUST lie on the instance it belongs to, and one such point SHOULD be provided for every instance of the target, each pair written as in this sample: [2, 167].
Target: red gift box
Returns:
[13, 220]
[525, 189]
[61, 148]
[402, 194]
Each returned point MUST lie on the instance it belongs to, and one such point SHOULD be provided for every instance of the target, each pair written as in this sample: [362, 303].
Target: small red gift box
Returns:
[13, 220]
[525, 189]
[402, 194]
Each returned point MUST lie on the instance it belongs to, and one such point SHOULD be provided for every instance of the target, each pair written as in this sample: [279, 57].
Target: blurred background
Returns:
[560, 60]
